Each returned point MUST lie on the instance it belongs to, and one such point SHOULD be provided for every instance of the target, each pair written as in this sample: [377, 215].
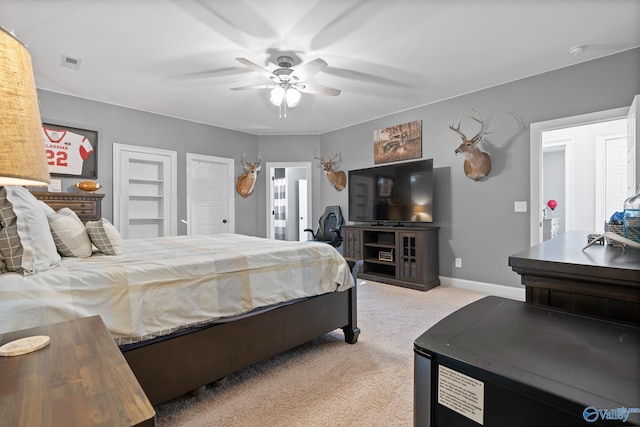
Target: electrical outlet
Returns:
[519, 206]
[459, 262]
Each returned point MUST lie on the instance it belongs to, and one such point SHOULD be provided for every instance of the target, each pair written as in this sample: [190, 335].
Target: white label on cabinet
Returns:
[461, 393]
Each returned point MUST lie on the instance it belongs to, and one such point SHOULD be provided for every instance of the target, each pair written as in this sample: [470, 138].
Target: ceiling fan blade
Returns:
[307, 70]
[317, 89]
[265, 86]
[255, 67]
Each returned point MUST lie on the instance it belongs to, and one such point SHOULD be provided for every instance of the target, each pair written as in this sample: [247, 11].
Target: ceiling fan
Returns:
[287, 84]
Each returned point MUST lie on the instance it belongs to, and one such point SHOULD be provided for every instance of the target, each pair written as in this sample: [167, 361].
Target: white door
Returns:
[210, 203]
[302, 210]
[145, 191]
[616, 176]
[271, 208]
[633, 158]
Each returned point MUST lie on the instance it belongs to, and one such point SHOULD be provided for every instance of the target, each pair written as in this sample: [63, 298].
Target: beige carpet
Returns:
[328, 382]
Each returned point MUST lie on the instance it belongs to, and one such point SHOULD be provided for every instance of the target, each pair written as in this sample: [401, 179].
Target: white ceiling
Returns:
[177, 57]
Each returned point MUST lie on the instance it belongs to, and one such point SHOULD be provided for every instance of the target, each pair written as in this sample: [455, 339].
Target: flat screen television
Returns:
[394, 193]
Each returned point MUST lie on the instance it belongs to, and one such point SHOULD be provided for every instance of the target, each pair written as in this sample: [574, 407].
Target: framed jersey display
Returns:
[71, 151]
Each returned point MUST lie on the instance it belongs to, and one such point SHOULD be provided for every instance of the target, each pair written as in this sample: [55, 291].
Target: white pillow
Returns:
[69, 234]
[25, 240]
[46, 208]
[105, 237]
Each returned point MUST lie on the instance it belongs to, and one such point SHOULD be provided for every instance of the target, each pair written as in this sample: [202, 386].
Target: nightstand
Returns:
[88, 206]
[80, 379]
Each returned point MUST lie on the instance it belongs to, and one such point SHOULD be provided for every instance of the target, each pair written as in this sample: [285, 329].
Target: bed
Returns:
[189, 310]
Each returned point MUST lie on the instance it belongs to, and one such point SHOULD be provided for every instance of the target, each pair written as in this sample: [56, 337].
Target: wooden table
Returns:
[79, 379]
[601, 281]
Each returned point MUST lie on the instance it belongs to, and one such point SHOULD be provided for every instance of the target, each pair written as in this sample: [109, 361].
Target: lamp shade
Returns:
[23, 159]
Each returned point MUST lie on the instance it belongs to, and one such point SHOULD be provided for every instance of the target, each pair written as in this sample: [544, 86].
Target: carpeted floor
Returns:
[327, 382]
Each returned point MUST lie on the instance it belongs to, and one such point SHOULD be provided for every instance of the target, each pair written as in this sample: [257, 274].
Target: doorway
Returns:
[585, 172]
[578, 189]
[289, 200]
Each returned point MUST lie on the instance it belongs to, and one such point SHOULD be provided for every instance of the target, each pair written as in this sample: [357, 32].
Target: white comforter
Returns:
[163, 284]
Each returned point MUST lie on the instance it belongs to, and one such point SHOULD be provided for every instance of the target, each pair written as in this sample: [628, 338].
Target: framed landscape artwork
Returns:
[396, 143]
[71, 151]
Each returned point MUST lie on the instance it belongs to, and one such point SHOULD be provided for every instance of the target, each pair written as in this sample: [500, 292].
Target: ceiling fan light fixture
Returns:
[283, 93]
[289, 83]
[277, 95]
[293, 97]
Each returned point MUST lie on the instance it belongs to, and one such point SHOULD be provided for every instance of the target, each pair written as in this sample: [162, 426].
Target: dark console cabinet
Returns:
[499, 362]
[600, 281]
[403, 255]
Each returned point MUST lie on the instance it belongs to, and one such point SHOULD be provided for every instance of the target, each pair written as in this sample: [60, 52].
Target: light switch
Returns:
[519, 206]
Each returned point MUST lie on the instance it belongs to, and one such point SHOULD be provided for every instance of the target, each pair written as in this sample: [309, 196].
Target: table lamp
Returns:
[23, 160]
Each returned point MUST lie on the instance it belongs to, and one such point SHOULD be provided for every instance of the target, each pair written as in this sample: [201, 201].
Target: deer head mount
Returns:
[337, 178]
[477, 164]
[246, 182]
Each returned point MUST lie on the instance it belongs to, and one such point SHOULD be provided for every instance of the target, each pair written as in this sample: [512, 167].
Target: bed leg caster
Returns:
[351, 335]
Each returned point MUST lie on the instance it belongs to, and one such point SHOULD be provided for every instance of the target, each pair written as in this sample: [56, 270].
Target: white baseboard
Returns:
[516, 293]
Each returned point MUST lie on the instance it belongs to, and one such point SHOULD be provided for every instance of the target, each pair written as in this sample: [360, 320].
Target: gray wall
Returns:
[476, 219]
[127, 126]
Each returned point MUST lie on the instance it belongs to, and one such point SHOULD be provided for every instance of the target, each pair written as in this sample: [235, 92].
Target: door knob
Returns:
[224, 221]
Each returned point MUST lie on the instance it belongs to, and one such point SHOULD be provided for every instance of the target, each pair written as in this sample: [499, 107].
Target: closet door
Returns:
[210, 190]
[145, 191]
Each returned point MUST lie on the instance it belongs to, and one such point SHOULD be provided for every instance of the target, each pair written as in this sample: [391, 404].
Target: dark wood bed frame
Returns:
[169, 368]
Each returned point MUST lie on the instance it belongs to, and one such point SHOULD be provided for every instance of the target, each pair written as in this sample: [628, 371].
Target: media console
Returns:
[398, 255]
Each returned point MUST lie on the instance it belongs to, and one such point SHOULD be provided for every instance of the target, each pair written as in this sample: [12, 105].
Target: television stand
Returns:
[405, 255]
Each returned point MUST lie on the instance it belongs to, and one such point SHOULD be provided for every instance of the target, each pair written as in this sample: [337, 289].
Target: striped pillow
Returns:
[105, 237]
[69, 234]
[2, 265]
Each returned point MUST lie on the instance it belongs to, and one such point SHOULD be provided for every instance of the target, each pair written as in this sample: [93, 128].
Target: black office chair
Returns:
[329, 226]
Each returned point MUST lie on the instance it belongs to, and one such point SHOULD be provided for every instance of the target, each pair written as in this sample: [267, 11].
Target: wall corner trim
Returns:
[512, 292]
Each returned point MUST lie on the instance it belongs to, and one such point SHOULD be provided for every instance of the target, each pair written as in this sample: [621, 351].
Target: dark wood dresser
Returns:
[601, 281]
[88, 206]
